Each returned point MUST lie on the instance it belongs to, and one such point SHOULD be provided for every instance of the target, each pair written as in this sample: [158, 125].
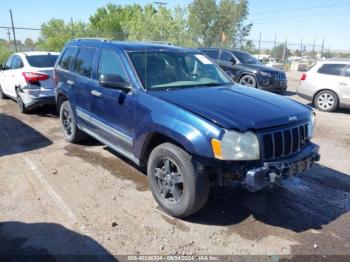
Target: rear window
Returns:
[332, 69]
[67, 58]
[42, 60]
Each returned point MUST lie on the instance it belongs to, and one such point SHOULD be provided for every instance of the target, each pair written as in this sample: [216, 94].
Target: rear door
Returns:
[345, 86]
[112, 111]
[15, 77]
[82, 83]
[329, 76]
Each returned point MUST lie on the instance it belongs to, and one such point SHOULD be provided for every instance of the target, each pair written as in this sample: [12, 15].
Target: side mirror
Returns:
[233, 61]
[114, 82]
[2, 67]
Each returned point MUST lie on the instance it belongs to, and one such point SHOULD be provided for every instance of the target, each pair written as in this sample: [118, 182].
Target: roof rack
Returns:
[159, 42]
[92, 39]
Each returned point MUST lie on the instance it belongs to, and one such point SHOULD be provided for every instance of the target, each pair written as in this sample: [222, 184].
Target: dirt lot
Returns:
[57, 198]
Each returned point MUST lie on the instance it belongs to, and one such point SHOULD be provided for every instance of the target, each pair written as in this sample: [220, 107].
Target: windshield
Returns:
[246, 58]
[42, 60]
[164, 70]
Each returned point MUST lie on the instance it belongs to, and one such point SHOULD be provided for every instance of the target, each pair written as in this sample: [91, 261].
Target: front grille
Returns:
[282, 142]
[279, 76]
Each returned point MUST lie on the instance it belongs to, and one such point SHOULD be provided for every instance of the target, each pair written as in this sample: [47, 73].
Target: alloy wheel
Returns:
[67, 122]
[326, 101]
[169, 180]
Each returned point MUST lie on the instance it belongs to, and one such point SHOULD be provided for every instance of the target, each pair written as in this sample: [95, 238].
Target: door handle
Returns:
[96, 93]
[343, 84]
[70, 82]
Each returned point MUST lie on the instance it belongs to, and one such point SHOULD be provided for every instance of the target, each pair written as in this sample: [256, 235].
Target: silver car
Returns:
[327, 85]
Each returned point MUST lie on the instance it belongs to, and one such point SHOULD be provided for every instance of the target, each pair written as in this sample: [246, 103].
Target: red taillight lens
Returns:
[34, 77]
[303, 77]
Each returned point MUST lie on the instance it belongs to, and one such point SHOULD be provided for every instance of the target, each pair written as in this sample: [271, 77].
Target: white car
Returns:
[28, 79]
[327, 85]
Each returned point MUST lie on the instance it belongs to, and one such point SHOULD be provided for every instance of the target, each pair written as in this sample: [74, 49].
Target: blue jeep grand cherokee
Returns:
[175, 113]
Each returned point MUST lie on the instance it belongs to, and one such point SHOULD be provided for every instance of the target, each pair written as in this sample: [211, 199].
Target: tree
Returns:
[5, 52]
[279, 50]
[29, 42]
[55, 33]
[209, 21]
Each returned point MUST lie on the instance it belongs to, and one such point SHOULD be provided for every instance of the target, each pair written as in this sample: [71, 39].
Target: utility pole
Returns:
[322, 47]
[71, 24]
[284, 51]
[274, 49]
[301, 47]
[14, 33]
[9, 35]
[259, 45]
[313, 47]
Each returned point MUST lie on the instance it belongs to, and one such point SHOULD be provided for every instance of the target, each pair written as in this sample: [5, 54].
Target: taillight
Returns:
[303, 77]
[34, 77]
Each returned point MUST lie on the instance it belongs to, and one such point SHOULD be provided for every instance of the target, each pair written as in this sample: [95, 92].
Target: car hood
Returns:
[261, 67]
[237, 107]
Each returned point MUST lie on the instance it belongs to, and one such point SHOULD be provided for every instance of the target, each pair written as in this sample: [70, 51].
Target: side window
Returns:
[9, 63]
[347, 71]
[226, 57]
[16, 62]
[84, 61]
[67, 58]
[110, 64]
[332, 69]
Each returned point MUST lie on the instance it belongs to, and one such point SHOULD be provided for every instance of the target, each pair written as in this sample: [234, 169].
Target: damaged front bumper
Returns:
[271, 172]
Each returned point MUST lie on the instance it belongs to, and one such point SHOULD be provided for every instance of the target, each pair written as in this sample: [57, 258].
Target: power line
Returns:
[300, 9]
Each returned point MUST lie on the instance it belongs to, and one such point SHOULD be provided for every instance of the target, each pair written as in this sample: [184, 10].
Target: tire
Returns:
[248, 80]
[177, 187]
[326, 101]
[69, 126]
[2, 95]
[20, 103]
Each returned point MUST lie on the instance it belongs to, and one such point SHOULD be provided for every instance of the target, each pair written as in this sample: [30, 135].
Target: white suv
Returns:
[327, 85]
[28, 79]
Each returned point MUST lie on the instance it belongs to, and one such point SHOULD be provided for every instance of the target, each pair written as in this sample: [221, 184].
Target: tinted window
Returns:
[42, 60]
[213, 54]
[84, 61]
[332, 69]
[67, 58]
[245, 58]
[110, 64]
[226, 56]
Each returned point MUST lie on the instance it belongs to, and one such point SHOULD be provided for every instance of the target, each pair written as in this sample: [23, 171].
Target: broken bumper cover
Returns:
[271, 172]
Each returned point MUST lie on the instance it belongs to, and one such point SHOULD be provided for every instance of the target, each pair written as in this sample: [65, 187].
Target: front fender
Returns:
[192, 132]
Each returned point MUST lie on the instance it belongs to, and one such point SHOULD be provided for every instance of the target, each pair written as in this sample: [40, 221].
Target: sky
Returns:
[312, 20]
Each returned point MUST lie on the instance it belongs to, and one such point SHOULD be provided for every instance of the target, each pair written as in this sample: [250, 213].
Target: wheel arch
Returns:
[59, 100]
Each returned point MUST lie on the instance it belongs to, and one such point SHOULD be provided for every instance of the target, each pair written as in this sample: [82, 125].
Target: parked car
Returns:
[272, 62]
[327, 85]
[27, 78]
[247, 70]
[175, 113]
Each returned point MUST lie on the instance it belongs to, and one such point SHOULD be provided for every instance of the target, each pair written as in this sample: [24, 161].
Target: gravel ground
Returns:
[62, 199]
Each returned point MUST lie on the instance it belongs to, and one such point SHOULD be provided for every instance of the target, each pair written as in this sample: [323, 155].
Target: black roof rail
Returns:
[92, 39]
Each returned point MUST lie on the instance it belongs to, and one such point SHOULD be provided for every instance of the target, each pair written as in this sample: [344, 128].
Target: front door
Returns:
[112, 109]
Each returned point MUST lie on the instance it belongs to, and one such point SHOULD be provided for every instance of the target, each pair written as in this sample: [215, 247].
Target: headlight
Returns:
[311, 125]
[265, 74]
[236, 146]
